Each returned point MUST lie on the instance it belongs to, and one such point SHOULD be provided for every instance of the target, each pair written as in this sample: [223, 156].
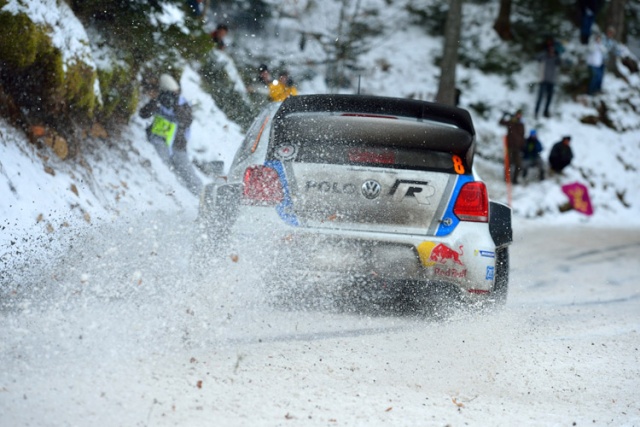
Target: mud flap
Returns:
[500, 224]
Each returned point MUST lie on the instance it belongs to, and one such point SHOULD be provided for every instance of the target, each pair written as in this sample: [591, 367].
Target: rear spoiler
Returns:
[436, 126]
[365, 104]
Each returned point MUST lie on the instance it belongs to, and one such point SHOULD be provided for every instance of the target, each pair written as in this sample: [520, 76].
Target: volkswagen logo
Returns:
[371, 189]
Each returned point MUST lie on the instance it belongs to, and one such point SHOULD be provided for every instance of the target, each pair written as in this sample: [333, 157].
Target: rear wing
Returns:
[378, 105]
[389, 121]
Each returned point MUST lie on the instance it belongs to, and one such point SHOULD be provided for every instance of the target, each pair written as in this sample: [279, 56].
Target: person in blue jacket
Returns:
[531, 155]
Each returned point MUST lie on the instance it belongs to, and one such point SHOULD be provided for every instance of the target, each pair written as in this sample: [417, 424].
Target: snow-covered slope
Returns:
[115, 176]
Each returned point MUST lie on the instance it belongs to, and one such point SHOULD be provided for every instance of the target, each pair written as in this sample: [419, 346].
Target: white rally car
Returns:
[377, 191]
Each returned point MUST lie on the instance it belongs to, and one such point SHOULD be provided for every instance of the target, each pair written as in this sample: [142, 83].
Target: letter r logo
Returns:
[420, 190]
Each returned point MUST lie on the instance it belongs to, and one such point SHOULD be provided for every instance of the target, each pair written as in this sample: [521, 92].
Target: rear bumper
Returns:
[465, 258]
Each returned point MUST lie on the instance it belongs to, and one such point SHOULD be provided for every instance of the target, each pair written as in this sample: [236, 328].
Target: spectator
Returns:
[531, 155]
[196, 7]
[561, 155]
[588, 11]
[218, 35]
[169, 132]
[611, 50]
[515, 142]
[595, 61]
[281, 89]
[259, 88]
[264, 76]
[549, 62]
[610, 42]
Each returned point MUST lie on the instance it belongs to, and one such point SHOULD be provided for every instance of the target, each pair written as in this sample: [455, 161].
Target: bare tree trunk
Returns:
[615, 18]
[615, 21]
[502, 24]
[447, 87]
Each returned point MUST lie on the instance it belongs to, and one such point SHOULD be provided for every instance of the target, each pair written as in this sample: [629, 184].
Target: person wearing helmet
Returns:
[170, 129]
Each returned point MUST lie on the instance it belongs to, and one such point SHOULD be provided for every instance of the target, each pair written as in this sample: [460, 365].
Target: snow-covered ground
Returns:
[134, 179]
[103, 323]
[120, 332]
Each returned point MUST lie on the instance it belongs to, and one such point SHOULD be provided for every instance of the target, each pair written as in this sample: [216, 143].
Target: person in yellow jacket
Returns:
[281, 89]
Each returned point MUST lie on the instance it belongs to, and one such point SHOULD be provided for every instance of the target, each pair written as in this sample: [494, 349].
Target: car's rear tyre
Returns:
[216, 215]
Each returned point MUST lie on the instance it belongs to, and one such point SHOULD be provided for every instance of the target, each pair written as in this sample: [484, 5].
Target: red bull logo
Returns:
[443, 254]
[432, 253]
[451, 272]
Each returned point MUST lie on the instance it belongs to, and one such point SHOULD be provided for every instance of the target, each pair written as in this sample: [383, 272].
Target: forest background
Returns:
[56, 100]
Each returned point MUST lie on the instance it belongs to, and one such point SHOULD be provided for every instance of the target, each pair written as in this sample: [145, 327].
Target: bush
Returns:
[34, 75]
[577, 81]
[481, 108]
[119, 90]
[432, 17]
[79, 83]
[20, 40]
[221, 88]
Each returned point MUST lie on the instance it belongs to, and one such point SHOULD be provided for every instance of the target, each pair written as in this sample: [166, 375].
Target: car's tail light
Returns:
[262, 186]
[472, 203]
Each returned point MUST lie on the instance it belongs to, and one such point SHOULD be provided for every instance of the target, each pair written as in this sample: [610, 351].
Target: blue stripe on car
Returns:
[449, 220]
[285, 208]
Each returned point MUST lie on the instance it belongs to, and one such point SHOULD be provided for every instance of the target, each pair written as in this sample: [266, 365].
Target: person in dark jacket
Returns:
[196, 7]
[531, 155]
[588, 11]
[561, 155]
[515, 142]
[170, 130]
[218, 35]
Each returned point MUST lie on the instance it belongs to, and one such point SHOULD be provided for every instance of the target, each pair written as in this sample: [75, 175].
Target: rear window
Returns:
[386, 142]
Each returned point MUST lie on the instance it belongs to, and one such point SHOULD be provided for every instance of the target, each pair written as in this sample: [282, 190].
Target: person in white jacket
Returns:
[596, 55]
